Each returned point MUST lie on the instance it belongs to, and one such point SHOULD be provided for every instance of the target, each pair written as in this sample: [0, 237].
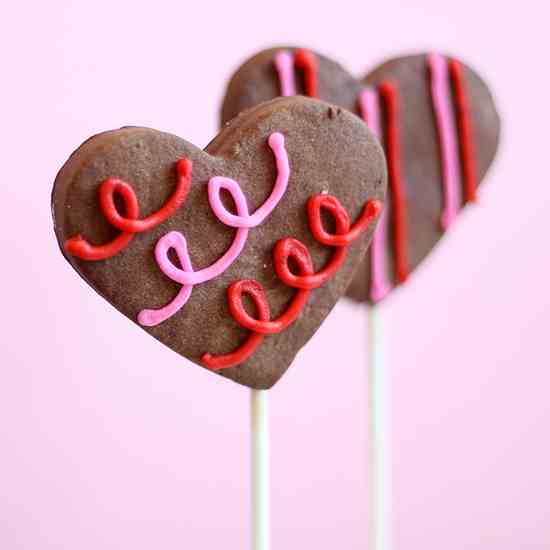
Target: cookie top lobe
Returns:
[262, 78]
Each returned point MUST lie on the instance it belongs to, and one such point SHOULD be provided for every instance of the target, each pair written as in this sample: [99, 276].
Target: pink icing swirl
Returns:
[243, 221]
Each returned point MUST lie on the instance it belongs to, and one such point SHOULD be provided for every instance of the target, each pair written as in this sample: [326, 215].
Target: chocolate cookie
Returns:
[439, 126]
[231, 256]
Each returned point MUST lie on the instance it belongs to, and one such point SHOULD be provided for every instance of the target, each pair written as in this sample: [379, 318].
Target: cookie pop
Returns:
[439, 127]
[236, 286]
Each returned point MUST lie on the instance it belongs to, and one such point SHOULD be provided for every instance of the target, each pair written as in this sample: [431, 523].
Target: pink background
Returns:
[111, 441]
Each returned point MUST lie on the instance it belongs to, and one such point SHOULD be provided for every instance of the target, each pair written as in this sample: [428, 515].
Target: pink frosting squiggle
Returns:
[380, 286]
[277, 144]
[152, 317]
[243, 221]
[441, 97]
[284, 63]
[190, 277]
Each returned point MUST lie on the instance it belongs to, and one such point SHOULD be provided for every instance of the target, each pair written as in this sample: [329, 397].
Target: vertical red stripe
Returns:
[390, 96]
[307, 62]
[465, 130]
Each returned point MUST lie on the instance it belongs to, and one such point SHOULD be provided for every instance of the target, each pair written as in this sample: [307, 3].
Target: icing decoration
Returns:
[305, 281]
[254, 339]
[284, 64]
[443, 75]
[276, 142]
[250, 287]
[175, 241]
[390, 95]
[465, 131]
[441, 96]
[130, 225]
[380, 286]
[243, 221]
[306, 60]
[302, 59]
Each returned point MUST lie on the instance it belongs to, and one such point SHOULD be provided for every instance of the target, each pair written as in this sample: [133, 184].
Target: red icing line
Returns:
[465, 130]
[130, 225]
[78, 246]
[257, 293]
[344, 235]
[390, 95]
[293, 248]
[111, 186]
[307, 62]
[245, 351]
[304, 282]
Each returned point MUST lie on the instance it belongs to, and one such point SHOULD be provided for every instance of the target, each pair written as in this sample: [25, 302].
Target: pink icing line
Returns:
[243, 221]
[380, 286]
[186, 277]
[277, 144]
[284, 63]
[441, 97]
[152, 317]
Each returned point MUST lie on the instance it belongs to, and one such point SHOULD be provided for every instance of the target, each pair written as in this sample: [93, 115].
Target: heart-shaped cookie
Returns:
[439, 126]
[231, 256]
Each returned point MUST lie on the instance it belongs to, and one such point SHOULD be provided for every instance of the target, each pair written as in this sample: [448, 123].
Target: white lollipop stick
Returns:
[379, 479]
[259, 426]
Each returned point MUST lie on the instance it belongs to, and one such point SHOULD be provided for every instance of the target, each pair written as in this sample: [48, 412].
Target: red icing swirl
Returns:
[305, 281]
[130, 224]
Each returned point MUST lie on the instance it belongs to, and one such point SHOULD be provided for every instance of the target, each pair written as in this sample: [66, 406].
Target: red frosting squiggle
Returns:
[130, 225]
[306, 280]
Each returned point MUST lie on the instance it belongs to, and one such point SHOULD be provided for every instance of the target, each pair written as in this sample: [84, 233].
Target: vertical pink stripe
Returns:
[284, 63]
[444, 115]
[370, 111]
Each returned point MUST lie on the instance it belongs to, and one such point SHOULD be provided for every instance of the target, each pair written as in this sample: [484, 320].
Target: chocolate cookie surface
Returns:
[231, 256]
[437, 121]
